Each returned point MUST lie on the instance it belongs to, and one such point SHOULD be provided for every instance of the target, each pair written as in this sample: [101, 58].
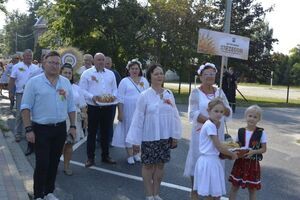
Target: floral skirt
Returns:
[246, 173]
[154, 152]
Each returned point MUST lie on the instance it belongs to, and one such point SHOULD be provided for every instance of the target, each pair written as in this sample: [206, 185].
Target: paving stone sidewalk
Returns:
[11, 183]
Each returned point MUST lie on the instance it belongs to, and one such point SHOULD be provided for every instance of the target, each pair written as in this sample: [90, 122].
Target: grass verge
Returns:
[183, 98]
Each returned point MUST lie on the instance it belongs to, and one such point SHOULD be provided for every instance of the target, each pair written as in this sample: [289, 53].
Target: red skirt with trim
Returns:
[246, 174]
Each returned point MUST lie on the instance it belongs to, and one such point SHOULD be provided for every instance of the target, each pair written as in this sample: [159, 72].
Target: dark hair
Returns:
[131, 64]
[68, 66]
[52, 53]
[150, 71]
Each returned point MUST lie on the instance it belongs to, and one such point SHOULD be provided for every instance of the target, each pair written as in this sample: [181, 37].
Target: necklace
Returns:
[160, 92]
[136, 80]
[209, 96]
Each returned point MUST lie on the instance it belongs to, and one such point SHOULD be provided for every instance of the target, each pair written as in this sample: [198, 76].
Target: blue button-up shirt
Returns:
[47, 103]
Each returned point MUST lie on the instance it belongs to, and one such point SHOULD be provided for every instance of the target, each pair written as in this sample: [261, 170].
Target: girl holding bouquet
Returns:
[246, 170]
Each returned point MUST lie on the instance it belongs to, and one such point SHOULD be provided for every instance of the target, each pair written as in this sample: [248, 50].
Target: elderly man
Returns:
[88, 63]
[46, 104]
[20, 74]
[98, 81]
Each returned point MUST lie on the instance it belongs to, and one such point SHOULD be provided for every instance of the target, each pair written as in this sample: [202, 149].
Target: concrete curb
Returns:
[11, 181]
[24, 167]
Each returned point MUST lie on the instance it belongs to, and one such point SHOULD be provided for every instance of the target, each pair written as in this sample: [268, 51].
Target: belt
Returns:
[50, 125]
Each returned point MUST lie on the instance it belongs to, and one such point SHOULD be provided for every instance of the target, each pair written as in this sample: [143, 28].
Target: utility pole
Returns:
[226, 30]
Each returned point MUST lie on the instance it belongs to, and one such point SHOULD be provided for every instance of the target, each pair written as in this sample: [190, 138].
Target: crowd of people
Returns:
[57, 106]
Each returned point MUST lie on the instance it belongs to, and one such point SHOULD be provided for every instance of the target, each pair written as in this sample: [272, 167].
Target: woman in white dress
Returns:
[155, 128]
[67, 71]
[129, 90]
[197, 113]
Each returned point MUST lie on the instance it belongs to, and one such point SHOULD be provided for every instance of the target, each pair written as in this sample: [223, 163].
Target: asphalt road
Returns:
[280, 166]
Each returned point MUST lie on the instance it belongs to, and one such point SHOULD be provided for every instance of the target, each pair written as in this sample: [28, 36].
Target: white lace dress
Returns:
[128, 93]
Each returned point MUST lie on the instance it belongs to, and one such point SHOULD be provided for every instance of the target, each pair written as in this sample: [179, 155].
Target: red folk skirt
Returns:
[246, 174]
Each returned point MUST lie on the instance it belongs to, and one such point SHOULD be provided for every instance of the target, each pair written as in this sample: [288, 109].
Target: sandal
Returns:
[68, 172]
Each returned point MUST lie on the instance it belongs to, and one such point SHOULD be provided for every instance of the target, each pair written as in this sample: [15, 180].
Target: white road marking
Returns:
[137, 178]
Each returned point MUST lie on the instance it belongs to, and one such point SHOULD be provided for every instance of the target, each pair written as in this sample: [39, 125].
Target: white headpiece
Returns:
[136, 60]
[206, 65]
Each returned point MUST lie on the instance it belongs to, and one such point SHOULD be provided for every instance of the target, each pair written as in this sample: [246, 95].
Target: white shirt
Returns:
[22, 73]
[248, 135]
[154, 119]
[206, 146]
[78, 95]
[82, 69]
[129, 90]
[97, 83]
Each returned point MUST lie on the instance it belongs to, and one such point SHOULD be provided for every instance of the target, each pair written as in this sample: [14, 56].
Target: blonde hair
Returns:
[256, 109]
[214, 102]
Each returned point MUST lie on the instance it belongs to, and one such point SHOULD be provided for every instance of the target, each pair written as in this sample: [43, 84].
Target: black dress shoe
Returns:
[109, 160]
[89, 163]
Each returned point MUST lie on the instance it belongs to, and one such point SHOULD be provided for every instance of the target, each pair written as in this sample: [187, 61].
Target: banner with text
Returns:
[223, 44]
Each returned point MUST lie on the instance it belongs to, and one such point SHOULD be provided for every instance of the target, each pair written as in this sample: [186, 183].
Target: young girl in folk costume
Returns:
[209, 179]
[246, 170]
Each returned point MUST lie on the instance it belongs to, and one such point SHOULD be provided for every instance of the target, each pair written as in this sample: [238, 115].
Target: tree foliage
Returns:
[2, 7]
[164, 31]
[19, 28]
[18, 24]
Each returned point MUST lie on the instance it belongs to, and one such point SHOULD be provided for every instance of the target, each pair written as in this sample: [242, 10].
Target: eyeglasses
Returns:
[212, 74]
[53, 63]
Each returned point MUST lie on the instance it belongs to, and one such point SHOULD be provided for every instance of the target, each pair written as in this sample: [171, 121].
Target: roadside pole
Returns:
[226, 30]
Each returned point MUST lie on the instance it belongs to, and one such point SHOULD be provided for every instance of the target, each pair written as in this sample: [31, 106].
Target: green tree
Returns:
[18, 24]
[280, 68]
[112, 27]
[2, 7]
[294, 66]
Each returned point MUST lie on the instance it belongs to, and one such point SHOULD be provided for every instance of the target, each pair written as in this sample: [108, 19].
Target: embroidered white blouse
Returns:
[156, 117]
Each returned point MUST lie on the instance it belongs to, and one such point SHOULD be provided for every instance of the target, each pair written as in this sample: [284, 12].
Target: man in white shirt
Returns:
[88, 63]
[98, 81]
[21, 73]
[14, 60]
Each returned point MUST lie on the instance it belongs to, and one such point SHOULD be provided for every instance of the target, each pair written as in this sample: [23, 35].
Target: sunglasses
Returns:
[212, 74]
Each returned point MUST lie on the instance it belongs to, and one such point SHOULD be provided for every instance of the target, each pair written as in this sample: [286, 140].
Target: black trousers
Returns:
[49, 142]
[99, 117]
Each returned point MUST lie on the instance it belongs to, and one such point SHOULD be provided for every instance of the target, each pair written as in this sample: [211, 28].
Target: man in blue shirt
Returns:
[47, 102]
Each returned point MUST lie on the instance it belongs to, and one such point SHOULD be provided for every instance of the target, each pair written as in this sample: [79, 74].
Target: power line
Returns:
[23, 36]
